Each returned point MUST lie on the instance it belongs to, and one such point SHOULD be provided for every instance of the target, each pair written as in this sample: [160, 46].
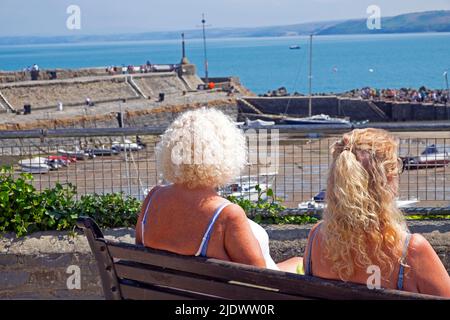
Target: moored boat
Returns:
[315, 120]
[431, 157]
[318, 202]
[37, 165]
[78, 154]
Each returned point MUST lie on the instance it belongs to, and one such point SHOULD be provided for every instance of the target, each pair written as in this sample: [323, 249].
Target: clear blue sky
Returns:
[48, 17]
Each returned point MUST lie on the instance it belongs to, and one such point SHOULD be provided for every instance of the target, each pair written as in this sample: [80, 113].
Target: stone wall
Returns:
[356, 109]
[47, 95]
[36, 266]
[15, 76]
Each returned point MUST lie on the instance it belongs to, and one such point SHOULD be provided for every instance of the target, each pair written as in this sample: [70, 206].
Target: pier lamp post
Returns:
[446, 84]
[204, 48]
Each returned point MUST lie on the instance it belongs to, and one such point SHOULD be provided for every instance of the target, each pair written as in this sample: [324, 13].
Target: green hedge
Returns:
[24, 210]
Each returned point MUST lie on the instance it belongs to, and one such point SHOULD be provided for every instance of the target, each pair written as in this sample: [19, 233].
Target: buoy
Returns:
[211, 85]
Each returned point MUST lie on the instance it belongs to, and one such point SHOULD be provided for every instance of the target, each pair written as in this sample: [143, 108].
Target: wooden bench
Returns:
[135, 272]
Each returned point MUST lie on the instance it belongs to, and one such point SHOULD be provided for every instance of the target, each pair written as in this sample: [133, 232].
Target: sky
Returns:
[49, 17]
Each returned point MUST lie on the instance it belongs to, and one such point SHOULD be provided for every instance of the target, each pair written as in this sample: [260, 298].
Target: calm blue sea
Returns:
[340, 63]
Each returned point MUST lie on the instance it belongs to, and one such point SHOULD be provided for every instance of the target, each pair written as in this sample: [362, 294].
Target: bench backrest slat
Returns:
[190, 282]
[136, 293]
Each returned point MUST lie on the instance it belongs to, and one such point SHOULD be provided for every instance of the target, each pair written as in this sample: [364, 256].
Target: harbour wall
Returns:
[355, 109]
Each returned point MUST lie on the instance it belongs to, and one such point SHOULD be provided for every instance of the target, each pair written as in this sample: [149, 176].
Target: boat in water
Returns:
[295, 47]
[319, 119]
[431, 157]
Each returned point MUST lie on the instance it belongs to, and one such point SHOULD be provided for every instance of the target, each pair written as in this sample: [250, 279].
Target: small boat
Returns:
[431, 157]
[318, 202]
[102, 152]
[127, 145]
[63, 159]
[295, 47]
[36, 165]
[258, 123]
[78, 154]
[245, 187]
[315, 120]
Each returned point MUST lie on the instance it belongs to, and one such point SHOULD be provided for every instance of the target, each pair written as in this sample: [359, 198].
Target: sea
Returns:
[339, 63]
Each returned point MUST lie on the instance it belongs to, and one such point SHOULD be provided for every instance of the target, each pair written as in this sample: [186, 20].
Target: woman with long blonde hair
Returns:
[362, 228]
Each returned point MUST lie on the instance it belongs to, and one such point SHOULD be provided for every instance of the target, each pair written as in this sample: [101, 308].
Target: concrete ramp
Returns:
[378, 111]
[192, 81]
[4, 104]
[153, 84]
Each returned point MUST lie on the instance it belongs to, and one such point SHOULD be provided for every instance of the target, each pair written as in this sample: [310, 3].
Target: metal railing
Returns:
[303, 159]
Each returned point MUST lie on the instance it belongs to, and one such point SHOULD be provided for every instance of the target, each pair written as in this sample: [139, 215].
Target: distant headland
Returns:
[419, 22]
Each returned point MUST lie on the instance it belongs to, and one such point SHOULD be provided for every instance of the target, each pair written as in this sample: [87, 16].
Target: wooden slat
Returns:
[136, 293]
[198, 285]
[304, 286]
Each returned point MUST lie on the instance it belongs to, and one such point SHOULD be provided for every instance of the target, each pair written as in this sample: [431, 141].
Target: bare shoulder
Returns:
[234, 215]
[419, 245]
[420, 251]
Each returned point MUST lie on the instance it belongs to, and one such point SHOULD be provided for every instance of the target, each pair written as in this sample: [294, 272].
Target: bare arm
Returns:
[240, 243]
[431, 275]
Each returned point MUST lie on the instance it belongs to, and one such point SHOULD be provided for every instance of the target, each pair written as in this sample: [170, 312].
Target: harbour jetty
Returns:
[93, 98]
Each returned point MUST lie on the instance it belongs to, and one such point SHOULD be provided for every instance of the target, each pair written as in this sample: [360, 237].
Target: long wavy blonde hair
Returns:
[362, 224]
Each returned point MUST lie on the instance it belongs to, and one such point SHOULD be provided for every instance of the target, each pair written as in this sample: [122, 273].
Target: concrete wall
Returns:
[48, 94]
[356, 109]
[297, 106]
[35, 267]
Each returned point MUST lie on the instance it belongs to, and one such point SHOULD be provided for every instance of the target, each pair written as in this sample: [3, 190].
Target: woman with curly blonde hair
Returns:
[362, 226]
[201, 151]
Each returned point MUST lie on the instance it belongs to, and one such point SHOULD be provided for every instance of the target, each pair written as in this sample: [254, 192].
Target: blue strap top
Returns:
[205, 241]
[401, 272]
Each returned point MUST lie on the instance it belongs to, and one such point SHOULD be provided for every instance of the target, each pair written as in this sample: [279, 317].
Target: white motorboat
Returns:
[126, 145]
[78, 154]
[318, 202]
[245, 187]
[316, 119]
[431, 157]
[258, 123]
[36, 165]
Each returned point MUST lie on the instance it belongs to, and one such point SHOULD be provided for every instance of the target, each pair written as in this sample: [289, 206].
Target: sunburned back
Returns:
[177, 221]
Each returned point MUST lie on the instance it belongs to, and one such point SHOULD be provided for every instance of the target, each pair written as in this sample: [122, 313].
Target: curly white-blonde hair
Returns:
[201, 148]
